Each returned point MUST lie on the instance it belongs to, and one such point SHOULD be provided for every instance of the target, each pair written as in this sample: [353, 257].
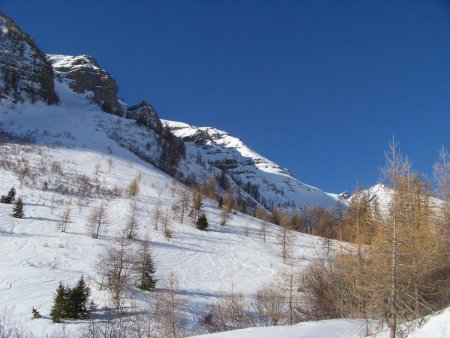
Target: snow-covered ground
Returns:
[437, 326]
[72, 141]
[35, 256]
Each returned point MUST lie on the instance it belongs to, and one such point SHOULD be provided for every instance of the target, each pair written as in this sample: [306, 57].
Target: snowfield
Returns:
[35, 256]
[437, 326]
[71, 142]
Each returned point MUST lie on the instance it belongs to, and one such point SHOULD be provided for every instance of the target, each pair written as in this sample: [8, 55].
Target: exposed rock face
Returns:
[252, 177]
[145, 115]
[25, 72]
[85, 76]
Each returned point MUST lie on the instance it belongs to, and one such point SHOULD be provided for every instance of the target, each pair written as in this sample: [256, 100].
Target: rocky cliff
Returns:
[85, 76]
[145, 115]
[25, 72]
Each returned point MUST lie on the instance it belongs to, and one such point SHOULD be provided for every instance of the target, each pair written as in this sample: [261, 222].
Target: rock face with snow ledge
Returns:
[25, 73]
[258, 178]
[85, 76]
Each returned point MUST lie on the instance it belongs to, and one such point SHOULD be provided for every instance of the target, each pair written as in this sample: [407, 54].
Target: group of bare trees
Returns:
[398, 268]
[277, 303]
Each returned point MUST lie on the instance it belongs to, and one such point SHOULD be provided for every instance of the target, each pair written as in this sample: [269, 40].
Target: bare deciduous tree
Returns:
[98, 218]
[156, 214]
[132, 224]
[133, 188]
[65, 218]
[285, 238]
[227, 206]
[168, 308]
[115, 270]
[196, 204]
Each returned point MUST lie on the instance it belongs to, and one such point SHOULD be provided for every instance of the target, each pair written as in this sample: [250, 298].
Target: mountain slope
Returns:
[257, 179]
[69, 143]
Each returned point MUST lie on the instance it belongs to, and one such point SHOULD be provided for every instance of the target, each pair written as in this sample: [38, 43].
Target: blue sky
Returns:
[318, 86]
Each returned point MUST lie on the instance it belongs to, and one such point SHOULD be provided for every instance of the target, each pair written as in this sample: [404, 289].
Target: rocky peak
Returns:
[146, 115]
[84, 75]
[25, 73]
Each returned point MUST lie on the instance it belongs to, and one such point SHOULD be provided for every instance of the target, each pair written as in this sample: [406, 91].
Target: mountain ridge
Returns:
[206, 152]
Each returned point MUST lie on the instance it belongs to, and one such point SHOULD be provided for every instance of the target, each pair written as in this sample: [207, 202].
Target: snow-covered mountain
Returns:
[27, 74]
[258, 180]
[68, 142]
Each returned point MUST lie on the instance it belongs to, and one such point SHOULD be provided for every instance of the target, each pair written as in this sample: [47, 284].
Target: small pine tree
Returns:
[10, 198]
[35, 313]
[78, 301]
[58, 310]
[18, 209]
[145, 267]
[202, 223]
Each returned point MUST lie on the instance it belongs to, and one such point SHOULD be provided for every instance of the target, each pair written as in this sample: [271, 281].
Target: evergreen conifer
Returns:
[58, 310]
[202, 223]
[78, 301]
[145, 268]
[18, 209]
[72, 302]
[10, 198]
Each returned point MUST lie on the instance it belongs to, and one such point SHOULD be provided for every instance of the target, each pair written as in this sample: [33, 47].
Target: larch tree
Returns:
[406, 248]
[156, 214]
[227, 206]
[132, 223]
[196, 204]
[98, 218]
[65, 218]
[285, 238]
[115, 270]
[168, 308]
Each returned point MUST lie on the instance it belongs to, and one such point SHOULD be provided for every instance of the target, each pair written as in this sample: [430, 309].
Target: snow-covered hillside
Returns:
[68, 145]
[209, 152]
[69, 142]
[258, 179]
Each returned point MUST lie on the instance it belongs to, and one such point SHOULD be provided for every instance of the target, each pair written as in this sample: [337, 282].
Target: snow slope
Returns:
[437, 326]
[337, 328]
[35, 256]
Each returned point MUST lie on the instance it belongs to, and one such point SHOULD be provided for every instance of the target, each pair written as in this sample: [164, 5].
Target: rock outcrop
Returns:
[25, 72]
[84, 75]
[145, 115]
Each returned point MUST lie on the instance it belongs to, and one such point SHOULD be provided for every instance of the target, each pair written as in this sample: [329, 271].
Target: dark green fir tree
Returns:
[78, 306]
[202, 223]
[10, 198]
[145, 268]
[58, 310]
[18, 209]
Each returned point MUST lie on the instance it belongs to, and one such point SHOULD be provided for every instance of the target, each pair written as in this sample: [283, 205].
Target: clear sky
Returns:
[318, 86]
